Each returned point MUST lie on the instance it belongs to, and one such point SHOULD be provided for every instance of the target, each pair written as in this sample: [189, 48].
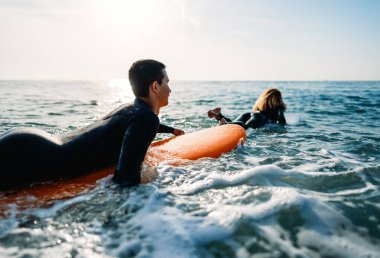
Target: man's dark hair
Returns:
[143, 73]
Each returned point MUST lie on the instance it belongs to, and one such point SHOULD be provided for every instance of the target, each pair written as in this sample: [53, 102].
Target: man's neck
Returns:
[152, 103]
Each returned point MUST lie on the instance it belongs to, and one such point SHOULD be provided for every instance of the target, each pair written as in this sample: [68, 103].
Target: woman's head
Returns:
[270, 99]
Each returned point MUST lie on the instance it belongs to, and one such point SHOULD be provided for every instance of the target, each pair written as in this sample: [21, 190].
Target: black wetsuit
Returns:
[257, 119]
[121, 138]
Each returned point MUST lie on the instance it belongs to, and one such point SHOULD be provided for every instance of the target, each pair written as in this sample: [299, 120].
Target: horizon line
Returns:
[203, 80]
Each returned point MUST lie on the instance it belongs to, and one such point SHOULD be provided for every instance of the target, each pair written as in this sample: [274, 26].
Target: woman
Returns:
[269, 108]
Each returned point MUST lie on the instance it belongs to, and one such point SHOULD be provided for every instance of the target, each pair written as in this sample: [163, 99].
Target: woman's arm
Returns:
[281, 118]
[243, 120]
[216, 113]
[255, 120]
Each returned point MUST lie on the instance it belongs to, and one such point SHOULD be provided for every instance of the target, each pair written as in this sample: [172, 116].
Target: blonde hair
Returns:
[270, 99]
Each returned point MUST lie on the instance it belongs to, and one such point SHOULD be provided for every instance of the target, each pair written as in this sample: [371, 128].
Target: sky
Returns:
[196, 39]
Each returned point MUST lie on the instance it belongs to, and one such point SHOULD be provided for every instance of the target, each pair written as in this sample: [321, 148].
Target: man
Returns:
[149, 82]
[121, 138]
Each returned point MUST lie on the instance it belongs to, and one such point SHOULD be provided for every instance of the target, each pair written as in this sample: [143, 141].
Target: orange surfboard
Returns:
[211, 142]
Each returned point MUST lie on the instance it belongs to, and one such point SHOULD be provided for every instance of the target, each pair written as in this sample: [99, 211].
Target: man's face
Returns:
[164, 90]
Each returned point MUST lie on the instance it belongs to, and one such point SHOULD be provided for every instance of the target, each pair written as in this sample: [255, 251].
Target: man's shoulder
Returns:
[143, 114]
[122, 109]
[146, 114]
[135, 111]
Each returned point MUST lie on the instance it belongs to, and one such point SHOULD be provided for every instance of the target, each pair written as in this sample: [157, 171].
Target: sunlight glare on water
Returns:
[120, 90]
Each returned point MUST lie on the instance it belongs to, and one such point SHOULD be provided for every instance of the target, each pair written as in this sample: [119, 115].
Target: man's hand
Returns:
[178, 132]
[148, 174]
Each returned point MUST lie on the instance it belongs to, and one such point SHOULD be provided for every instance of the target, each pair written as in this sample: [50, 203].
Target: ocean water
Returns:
[310, 189]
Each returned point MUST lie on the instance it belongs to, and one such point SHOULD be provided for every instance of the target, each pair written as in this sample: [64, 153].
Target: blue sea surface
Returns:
[309, 189]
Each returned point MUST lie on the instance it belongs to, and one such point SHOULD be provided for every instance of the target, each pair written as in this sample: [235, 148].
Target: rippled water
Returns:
[310, 189]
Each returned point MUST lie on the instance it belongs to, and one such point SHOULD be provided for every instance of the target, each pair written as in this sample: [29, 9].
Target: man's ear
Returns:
[154, 87]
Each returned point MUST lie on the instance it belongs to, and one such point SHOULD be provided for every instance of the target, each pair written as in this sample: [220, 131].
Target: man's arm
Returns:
[137, 138]
[167, 129]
